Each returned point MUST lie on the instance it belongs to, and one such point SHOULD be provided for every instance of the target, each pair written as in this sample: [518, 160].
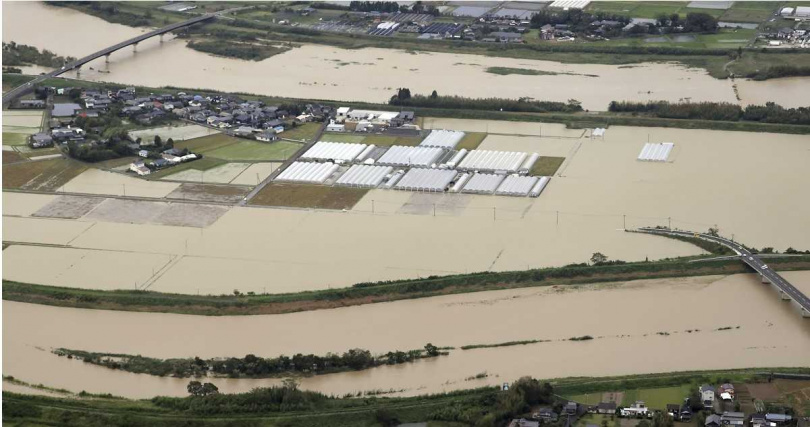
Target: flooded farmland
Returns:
[373, 74]
[624, 318]
[599, 189]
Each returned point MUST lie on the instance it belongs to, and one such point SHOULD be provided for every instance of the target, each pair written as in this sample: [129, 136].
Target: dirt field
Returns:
[157, 213]
[43, 175]
[94, 181]
[69, 207]
[255, 173]
[766, 392]
[309, 196]
[208, 193]
[252, 151]
[12, 157]
[176, 133]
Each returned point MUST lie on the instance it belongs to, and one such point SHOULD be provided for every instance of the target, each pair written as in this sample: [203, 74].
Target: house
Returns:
[32, 103]
[173, 152]
[686, 413]
[243, 131]
[507, 37]
[673, 410]
[803, 12]
[712, 420]
[545, 415]
[266, 136]
[637, 409]
[334, 127]
[139, 168]
[732, 418]
[65, 110]
[726, 391]
[606, 408]
[758, 420]
[706, 395]
[778, 418]
[172, 159]
[143, 153]
[524, 423]
[39, 140]
[570, 408]
[342, 114]
[303, 118]
[67, 133]
[160, 163]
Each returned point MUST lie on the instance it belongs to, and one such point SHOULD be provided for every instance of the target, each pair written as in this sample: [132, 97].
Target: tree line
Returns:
[20, 54]
[768, 113]
[251, 366]
[404, 98]
[246, 51]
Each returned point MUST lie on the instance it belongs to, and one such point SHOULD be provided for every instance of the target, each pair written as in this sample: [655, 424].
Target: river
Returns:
[324, 72]
[624, 318]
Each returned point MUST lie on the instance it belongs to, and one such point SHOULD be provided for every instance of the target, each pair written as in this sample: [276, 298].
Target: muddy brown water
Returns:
[625, 319]
[324, 72]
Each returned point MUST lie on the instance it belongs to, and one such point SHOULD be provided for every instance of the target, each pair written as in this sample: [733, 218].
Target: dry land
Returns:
[43, 175]
[253, 151]
[308, 196]
[304, 132]
[546, 166]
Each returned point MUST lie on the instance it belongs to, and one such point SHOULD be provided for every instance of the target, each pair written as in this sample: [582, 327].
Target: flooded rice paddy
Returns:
[599, 189]
[624, 318]
[372, 74]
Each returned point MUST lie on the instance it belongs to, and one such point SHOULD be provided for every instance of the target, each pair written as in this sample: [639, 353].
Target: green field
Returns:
[546, 166]
[471, 140]
[202, 164]
[245, 150]
[586, 398]
[740, 11]
[657, 398]
[343, 137]
[749, 11]
[206, 143]
[727, 38]
[306, 131]
[308, 196]
[43, 175]
[11, 138]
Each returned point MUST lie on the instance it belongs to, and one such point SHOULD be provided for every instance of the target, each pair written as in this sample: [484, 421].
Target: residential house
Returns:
[65, 110]
[143, 153]
[31, 103]
[726, 391]
[686, 413]
[778, 418]
[674, 410]
[160, 163]
[266, 136]
[570, 408]
[732, 418]
[139, 168]
[545, 415]
[637, 409]
[40, 140]
[712, 420]
[506, 37]
[524, 423]
[67, 133]
[243, 131]
[606, 408]
[758, 420]
[706, 395]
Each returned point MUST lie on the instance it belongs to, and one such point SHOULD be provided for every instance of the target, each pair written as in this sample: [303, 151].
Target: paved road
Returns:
[27, 87]
[753, 260]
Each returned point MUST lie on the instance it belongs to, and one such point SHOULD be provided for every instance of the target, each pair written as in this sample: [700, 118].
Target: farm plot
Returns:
[308, 196]
[251, 151]
[222, 174]
[69, 207]
[176, 133]
[43, 175]
[208, 193]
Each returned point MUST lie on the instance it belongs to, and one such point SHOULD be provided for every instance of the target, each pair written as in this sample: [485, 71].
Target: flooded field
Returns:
[599, 189]
[95, 181]
[624, 318]
[372, 74]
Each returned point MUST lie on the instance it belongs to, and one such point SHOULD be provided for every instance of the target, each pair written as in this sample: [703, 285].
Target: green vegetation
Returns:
[253, 151]
[246, 51]
[403, 98]
[505, 71]
[501, 344]
[722, 111]
[366, 293]
[471, 140]
[13, 138]
[201, 165]
[251, 366]
[546, 166]
[308, 196]
[778, 71]
[42, 175]
[20, 54]
[658, 398]
[304, 132]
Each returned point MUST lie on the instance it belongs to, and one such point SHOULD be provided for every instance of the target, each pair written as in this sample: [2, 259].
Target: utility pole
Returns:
[669, 222]
[624, 222]
[434, 209]
[372, 206]
[493, 214]
[558, 218]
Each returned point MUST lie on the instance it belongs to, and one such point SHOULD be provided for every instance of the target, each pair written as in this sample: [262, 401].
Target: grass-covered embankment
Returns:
[366, 293]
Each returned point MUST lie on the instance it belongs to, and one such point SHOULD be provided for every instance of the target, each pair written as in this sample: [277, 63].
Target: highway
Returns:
[753, 260]
[27, 87]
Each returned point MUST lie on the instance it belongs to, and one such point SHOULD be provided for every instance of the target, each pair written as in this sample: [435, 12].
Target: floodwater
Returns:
[323, 72]
[625, 318]
[599, 189]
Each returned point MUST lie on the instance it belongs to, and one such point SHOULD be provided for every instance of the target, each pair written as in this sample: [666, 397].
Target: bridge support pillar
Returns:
[161, 38]
[806, 313]
[135, 47]
[784, 296]
[765, 280]
[107, 58]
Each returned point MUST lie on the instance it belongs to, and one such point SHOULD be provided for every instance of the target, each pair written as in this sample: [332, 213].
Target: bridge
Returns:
[786, 291]
[13, 94]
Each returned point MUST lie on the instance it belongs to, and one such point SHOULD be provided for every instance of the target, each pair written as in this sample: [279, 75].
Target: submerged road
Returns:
[15, 93]
[748, 257]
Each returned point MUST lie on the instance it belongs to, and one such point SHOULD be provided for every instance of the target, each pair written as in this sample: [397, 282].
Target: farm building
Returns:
[656, 152]
[308, 172]
[539, 186]
[516, 185]
[492, 161]
[425, 180]
[364, 176]
[399, 155]
[803, 11]
[335, 151]
[454, 161]
[443, 139]
[483, 183]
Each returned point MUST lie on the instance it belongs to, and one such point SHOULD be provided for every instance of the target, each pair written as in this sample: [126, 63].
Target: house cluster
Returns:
[168, 158]
[347, 119]
[787, 36]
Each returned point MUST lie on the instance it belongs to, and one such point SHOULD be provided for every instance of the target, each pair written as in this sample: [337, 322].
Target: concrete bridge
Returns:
[15, 93]
[787, 291]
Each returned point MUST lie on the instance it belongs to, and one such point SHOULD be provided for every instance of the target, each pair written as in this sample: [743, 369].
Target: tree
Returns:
[403, 93]
[385, 417]
[434, 95]
[194, 388]
[158, 140]
[714, 231]
[209, 389]
[662, 419]
[598, 258]
[643, 423]
[431, 349]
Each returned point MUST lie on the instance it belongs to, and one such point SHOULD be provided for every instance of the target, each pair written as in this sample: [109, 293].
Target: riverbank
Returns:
[302, 408]
[369, 293]
[571, 120]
